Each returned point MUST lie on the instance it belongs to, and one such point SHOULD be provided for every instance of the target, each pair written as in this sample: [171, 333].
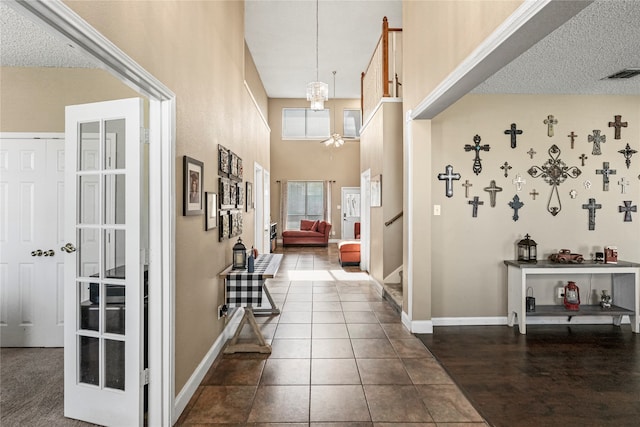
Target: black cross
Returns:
[627, 153]
[477, 165]
[466, 186]
[449, 176]
[515, 204]
[513, 132]
[506, 168]
[534, 193]
[592, 206]
[572, 135]
[605, 172]
[583, 158]
[618, 125]
[475, 202]
[492, 189]
[627, 209]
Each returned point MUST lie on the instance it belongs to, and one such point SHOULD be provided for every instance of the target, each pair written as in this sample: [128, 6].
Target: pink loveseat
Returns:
[311, 233]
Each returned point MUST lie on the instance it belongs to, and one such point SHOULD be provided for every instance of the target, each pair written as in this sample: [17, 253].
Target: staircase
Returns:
[392, 292]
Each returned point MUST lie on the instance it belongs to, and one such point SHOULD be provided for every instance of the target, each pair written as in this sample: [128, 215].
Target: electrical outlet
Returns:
[222, 311]
[560, 292]
[436, 210]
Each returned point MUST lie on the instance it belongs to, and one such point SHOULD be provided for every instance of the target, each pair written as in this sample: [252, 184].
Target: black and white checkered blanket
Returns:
[244, 289]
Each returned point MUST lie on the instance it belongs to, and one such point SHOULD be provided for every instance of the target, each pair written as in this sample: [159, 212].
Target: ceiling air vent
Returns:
[627, 73]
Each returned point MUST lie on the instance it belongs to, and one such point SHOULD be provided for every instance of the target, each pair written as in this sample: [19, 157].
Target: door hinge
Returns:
[144, 135]
[144, 377]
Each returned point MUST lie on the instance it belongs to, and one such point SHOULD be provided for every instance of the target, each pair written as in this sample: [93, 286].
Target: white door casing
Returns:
[104, 276]
[266, 209]
[31, 232]
[350, 211]
[365, 211]
[258, 191]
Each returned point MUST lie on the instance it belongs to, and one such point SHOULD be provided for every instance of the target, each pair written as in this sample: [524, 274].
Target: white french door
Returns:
[266, 239]
[104, 275]
[350, 211]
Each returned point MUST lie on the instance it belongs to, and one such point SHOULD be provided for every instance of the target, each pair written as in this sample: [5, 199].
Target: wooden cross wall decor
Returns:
[534, 193]
[597, 139]
[550, 121]
[475, 202]
[506, 168]
[618, 125]
[449, 176]
[592, 206]
[531, 152]
[554, 172]
[627, 153]
[466, 186]
[513, 132]
[605, 172]
[492, 189]
[573, 136]
[477, 165]
[516, 204]
[627, 209]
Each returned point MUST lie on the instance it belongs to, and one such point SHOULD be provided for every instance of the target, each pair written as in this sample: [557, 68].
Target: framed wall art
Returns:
[249, 196]
[224, 190]
[235, 222]
[240, 169]
[239, 195]
[211, 211]
[376, 191]
[193, 178]
[223, 161]
[224, 227]
[233, 165]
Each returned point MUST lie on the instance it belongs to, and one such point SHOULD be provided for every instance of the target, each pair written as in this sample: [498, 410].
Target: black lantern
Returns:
[239, 255]
[527, 250]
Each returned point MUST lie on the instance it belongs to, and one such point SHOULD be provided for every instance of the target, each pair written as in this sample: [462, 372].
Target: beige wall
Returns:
[311, 160]
[253, 80]
[197, 49]
[481, 244]
[33, 99]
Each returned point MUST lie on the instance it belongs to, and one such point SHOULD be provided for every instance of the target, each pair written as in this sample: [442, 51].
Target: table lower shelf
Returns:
[585, 310]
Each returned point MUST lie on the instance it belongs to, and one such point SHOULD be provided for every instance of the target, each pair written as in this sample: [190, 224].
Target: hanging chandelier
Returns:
[317, 92]
[335, 139]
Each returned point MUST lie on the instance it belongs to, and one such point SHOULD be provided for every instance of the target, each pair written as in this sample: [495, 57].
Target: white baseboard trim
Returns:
[469, 321]
[378, 287]
[542, 320]
[417, 326]
[189, 389]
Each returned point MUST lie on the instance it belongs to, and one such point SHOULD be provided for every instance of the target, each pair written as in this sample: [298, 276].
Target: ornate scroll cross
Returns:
[550, 121]
[592, 206]
[506, 168]
[605, 172]
[515, 204]
[475, 202]
[554, 172]
[477, 165]
[572, 135]
[597, 139]
[492, 189]
[624, 183]
[618, 125]
[466, 186]
[448, 176]
[627, 209]
[513, 132]
[627, 153]
[583, 158]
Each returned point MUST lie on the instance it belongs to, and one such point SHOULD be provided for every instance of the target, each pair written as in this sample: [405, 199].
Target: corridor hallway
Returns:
[340, 357]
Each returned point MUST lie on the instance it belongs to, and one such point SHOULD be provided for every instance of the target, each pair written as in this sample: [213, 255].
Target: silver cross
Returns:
[623, 183]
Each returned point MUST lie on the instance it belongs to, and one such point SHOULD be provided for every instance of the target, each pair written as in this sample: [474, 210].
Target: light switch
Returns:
[436, 209]
[338, 207]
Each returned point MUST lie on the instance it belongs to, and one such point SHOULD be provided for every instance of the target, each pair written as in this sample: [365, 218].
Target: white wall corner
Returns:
[417, 326]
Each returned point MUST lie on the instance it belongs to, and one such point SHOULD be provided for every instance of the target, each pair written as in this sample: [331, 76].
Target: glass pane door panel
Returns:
[89, 191]
[115, 309]
[114, 140]
[89, 360]
[114, 250]
[88, 252]
[114, 367]
[89, 146]
[89, 294]
[114, 200]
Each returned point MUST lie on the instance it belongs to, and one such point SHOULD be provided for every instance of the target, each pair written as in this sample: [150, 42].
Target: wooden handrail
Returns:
[385, 57]
[394, 219]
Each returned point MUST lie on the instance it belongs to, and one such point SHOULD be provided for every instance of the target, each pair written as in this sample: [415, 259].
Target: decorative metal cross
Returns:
[519, 182]
[623, 183]
[513, 132]
[506, 168]
[597, 139]
[550, 121]
[466, 186]
[583, 158]
[515, 204]
[531, 152]
[448, 176]
[573, 136]
[554, 172]
[618, 125]
[477, 165]
[475, 202]
[627, 153]
[492, 189]
[605, 172]
[627, 209]
[534, 193]
[592, 206]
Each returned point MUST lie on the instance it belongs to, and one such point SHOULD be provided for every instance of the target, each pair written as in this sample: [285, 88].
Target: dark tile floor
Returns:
[340, 357]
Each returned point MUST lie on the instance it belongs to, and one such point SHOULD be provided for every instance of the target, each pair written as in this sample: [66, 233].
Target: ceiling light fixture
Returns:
[335, 139]
[317, 92]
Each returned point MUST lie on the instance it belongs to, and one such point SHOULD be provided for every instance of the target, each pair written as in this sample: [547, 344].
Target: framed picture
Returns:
[235, 222]
[233, 164]
[211, 211]
[233, 194]
[249, 196]
[223, 161]
[193, 178]
[239, 195]
[224, 227]
[376, 191]
[224, 191]
[240, 169]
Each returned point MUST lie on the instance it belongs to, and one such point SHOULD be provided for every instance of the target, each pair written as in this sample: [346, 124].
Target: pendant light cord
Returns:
[317, 36]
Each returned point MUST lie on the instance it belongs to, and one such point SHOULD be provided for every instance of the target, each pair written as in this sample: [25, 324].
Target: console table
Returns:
[244, 289]
[625, 291]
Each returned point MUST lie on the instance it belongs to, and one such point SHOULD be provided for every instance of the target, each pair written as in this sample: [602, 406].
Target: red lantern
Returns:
[572, 297]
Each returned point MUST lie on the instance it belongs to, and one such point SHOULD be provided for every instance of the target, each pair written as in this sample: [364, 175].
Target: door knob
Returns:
[37, 252]
[50, 252]
[68, 248]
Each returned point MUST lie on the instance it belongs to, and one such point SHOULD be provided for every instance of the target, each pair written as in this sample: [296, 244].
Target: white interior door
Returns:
[365, 227]
[31, 232]
[103, 282]
[266, 230]
[350, 211]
